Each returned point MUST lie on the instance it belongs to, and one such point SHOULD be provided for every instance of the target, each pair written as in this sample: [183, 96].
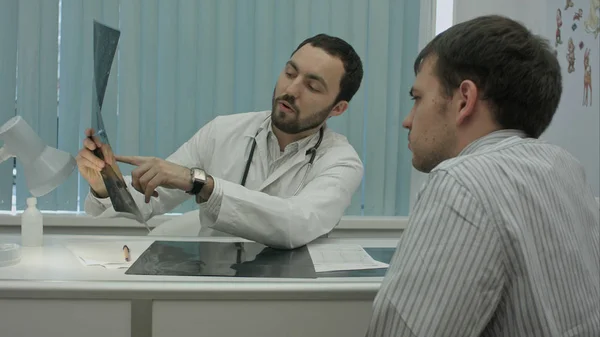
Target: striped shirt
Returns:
[504, 240]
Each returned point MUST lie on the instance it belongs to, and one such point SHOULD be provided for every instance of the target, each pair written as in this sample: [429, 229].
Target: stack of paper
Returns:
[331, 257]
[109, 255]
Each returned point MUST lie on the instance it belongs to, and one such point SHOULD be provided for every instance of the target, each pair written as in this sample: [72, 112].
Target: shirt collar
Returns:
[294, 146]
[490, 139]
[266, 125]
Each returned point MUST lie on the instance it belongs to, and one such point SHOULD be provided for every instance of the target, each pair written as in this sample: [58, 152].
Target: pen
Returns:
[126, 253]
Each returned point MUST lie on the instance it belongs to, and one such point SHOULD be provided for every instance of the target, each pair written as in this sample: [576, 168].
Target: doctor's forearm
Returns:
[271, 220]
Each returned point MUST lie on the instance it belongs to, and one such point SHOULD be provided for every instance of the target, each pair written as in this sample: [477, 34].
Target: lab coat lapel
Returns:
[260, 157]
[285, 167]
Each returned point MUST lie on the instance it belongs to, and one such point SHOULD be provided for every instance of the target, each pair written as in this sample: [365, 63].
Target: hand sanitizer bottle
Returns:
[32, 226]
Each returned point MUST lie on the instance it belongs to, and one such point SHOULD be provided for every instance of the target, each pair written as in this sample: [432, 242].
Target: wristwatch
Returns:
[198, 180]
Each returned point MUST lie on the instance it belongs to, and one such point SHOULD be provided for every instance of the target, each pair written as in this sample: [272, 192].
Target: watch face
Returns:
[199, 175]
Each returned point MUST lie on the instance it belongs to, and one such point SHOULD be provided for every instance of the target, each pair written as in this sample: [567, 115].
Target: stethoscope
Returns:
[312, 151]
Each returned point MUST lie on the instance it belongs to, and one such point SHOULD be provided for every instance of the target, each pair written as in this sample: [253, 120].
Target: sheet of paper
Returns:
[109, 255]
[331, 257]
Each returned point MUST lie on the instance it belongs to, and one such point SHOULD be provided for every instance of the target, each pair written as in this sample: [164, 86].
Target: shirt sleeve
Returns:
[213, 204]
[447, 274]
[193, 153]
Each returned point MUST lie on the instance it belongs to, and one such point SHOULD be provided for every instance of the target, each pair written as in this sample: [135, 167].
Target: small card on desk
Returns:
[233, 259]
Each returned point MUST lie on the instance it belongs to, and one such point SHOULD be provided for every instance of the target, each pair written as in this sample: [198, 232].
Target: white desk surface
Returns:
[53, 271]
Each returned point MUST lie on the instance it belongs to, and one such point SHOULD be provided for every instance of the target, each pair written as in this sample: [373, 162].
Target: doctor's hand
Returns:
[155, 172]
[90, 165]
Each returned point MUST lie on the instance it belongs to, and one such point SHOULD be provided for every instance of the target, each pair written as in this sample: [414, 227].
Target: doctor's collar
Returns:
[266, 125]
[252, 132]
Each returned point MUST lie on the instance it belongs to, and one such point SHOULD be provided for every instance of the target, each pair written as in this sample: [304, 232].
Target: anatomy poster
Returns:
[573, 28]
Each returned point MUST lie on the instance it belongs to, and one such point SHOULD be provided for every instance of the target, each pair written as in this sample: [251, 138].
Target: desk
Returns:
[50, 293]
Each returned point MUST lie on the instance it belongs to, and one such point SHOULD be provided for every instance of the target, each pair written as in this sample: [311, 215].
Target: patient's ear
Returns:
[467, 96]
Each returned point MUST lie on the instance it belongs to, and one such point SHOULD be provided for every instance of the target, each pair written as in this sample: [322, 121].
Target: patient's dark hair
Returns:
[516, 71]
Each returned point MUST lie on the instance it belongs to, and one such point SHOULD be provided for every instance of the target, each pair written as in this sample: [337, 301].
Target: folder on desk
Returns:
[234, 259]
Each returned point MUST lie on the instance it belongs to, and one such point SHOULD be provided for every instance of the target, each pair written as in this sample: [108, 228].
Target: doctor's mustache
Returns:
[290, 100]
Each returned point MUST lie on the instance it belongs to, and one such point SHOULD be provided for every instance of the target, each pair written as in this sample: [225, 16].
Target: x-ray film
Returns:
[105, 47]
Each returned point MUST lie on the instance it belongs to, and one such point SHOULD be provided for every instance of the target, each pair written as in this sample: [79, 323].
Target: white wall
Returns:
[576, 127]
[444, 15]
[531, 12]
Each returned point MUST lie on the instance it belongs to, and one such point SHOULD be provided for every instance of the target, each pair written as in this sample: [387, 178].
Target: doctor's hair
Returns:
[515, 71]
[353, 69]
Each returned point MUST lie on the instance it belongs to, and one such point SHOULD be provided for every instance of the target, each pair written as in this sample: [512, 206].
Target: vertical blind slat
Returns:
[129, 74]
[244, 57]
[8, 68]
[205, 74]
[148, 78]
[185, 112]
[263, 54]
[225, 57]
[166, 92]
[408, 28]
[70, 94]
[48, 78]
[357, 115]
[92, 10]
[37, 81]
[375, 85]
[28, 84]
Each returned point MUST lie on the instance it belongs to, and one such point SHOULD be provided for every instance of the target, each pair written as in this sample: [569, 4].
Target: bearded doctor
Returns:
[278, 177]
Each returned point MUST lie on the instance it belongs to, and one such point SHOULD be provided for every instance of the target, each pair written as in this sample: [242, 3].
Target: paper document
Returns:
[331, 257]
[110, 255]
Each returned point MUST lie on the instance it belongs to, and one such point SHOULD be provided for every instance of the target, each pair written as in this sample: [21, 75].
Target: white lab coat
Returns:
[265, 209]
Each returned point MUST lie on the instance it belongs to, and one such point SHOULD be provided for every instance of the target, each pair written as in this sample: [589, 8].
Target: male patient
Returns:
[504, 238]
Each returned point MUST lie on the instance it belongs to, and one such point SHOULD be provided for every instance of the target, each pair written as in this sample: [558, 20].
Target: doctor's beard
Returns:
[291, 123]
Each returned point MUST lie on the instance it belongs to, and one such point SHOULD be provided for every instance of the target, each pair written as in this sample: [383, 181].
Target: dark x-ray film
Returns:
[224, 259]
[106, 40]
